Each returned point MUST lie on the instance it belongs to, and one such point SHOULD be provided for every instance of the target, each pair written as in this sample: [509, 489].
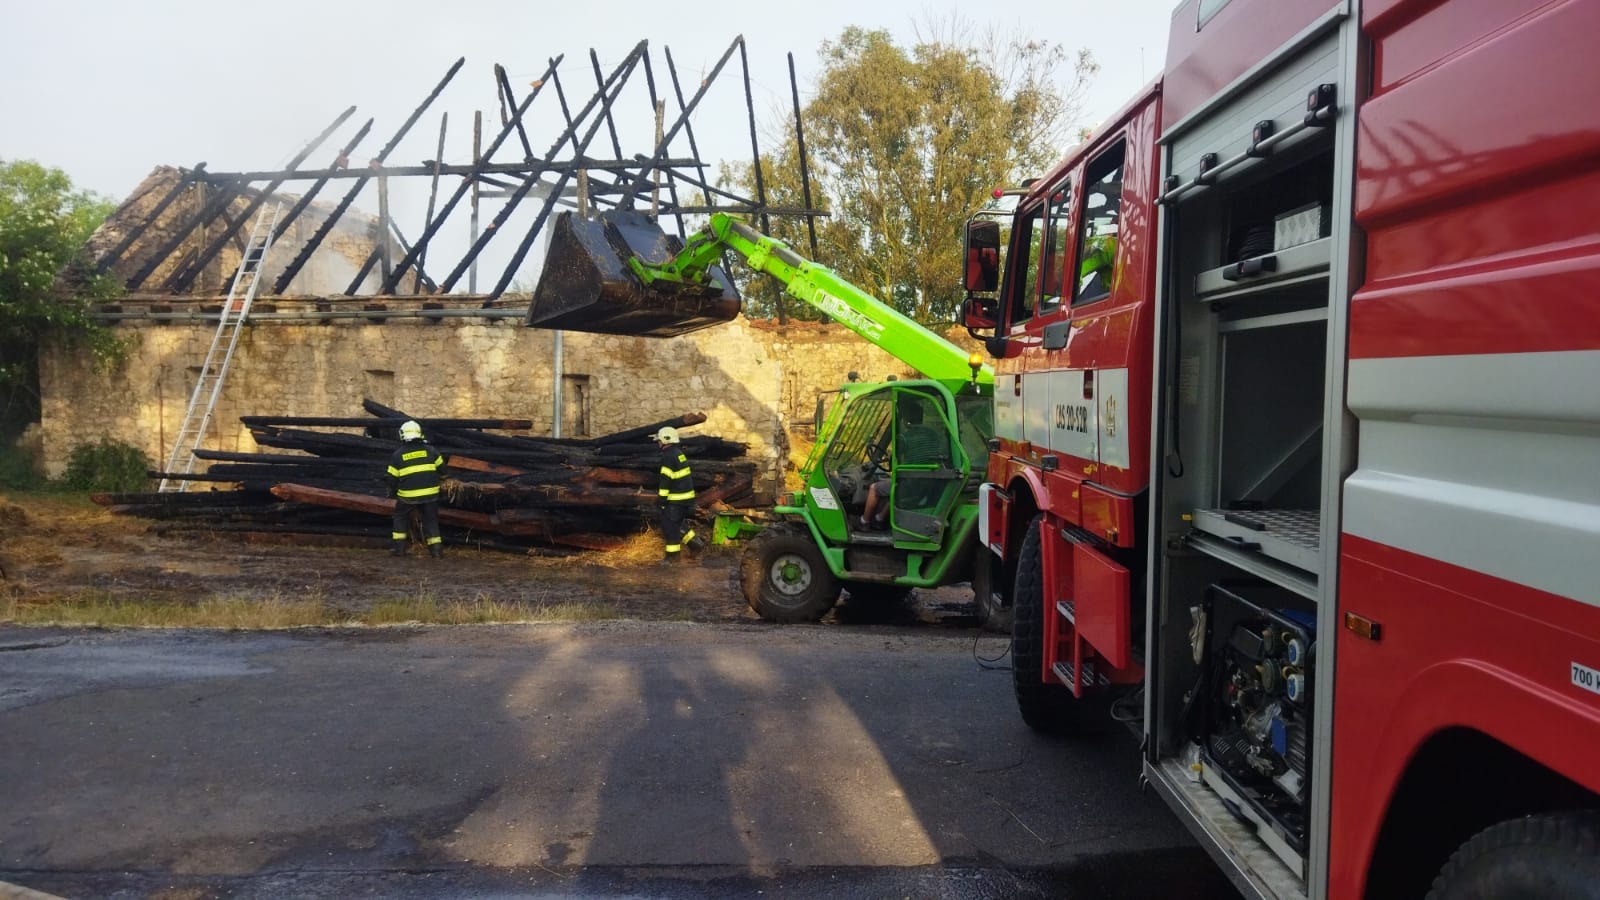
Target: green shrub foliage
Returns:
[107, 465]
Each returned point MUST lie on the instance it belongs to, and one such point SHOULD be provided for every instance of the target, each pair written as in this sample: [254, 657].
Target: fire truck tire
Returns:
[987, 573]
[785, 579]
[1545, 857]
[1046, 707]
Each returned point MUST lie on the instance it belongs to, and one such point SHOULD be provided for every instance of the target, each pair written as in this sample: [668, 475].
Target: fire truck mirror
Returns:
[978, 313]
[982, 254]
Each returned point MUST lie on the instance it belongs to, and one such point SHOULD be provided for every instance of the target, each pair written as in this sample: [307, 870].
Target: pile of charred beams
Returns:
[546, 496]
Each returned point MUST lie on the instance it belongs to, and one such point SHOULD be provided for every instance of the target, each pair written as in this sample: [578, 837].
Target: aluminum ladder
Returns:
[208, 387]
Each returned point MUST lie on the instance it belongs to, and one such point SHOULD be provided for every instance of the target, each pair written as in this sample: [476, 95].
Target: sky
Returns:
[107, 89]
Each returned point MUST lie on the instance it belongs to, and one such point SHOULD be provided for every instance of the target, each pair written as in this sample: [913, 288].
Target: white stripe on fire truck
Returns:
[1490, 462]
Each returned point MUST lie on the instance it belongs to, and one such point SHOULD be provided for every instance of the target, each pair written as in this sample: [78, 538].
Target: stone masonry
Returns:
[756, 382]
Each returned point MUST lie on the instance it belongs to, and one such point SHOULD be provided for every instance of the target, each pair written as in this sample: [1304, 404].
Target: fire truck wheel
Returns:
[1533, 858]
[1047, 707]
[785, 578]
[987, 574]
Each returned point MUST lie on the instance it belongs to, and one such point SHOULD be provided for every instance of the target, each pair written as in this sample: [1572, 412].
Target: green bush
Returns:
[107, 465]
[16, 471]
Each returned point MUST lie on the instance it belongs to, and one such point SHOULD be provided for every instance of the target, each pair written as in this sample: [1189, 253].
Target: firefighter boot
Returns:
[436, 551]
[696, 545]
[397, 550]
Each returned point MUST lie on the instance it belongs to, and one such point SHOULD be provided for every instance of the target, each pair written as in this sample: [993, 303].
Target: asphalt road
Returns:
[621, 758]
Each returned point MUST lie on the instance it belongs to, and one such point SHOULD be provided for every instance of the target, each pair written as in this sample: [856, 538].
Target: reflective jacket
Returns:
[414, 472]
[677, 485]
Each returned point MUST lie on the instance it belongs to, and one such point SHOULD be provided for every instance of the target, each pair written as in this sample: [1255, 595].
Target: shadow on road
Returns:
[659, 759]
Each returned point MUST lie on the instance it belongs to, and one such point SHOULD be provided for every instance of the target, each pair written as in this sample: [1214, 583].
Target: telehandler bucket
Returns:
[586, 284]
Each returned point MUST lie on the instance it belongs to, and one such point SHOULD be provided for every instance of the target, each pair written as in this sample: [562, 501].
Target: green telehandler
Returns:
[927, 438]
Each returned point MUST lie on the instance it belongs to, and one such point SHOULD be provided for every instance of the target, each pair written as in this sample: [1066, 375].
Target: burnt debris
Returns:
[501, 491]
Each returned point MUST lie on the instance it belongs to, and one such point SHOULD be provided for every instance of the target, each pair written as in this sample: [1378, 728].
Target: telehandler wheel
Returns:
[1532, 858]
[988, 575]
[1047, 707]
[785, 578]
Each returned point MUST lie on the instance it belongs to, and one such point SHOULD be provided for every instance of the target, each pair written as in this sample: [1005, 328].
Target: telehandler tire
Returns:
[785, 578]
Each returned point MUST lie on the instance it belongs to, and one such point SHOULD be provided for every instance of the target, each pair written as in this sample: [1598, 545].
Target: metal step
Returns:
[1064, 672]
[1231, 841]
[882, 538]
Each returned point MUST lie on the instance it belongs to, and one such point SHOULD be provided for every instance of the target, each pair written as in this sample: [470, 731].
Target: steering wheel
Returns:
[877, 459]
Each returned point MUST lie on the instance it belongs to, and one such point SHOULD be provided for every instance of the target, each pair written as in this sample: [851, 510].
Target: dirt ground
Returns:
[57, 547]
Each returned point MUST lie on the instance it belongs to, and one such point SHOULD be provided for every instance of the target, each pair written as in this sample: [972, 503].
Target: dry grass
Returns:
[104, 609]
[23, 514]
[640, 549]
[56, 507]
[42, 531]
[429, 610]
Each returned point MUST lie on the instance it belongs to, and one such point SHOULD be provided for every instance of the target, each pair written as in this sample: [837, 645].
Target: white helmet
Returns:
[410, 431]
[667, 435]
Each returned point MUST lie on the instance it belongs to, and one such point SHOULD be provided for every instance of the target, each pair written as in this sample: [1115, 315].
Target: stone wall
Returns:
[756, 382]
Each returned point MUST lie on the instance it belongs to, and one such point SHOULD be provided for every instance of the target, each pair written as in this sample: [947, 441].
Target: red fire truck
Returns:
[1297, 404]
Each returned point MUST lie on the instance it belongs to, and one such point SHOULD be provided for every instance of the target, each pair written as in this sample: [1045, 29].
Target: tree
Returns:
[46, 285]
[904, 145]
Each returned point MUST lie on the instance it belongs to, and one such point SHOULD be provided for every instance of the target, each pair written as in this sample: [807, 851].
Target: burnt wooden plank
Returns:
[367, 422]
[471, 464]
[562, 495]
[647, 432]
[721, 493]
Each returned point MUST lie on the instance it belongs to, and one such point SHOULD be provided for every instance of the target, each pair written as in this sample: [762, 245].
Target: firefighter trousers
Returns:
[676, 530]
[401, 531]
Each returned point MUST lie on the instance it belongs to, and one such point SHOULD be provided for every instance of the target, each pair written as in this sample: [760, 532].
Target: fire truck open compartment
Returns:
[1269, 448]
[1251, 287]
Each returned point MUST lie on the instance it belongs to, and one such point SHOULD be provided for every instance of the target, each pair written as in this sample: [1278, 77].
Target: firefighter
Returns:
[414, 483]
[1095, 272]
[676, 498]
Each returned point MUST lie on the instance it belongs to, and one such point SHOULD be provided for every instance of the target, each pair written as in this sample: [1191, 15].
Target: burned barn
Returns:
[358, 274]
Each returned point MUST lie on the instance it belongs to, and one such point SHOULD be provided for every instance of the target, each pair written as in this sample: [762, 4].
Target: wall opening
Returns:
[575, 419]
[379, 386]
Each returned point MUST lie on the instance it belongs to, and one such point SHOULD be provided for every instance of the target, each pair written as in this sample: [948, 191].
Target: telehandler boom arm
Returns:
[618, 273]
[821, 287]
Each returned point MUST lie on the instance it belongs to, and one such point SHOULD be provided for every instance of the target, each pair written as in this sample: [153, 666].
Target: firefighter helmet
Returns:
[410, 431]
[667, 435]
